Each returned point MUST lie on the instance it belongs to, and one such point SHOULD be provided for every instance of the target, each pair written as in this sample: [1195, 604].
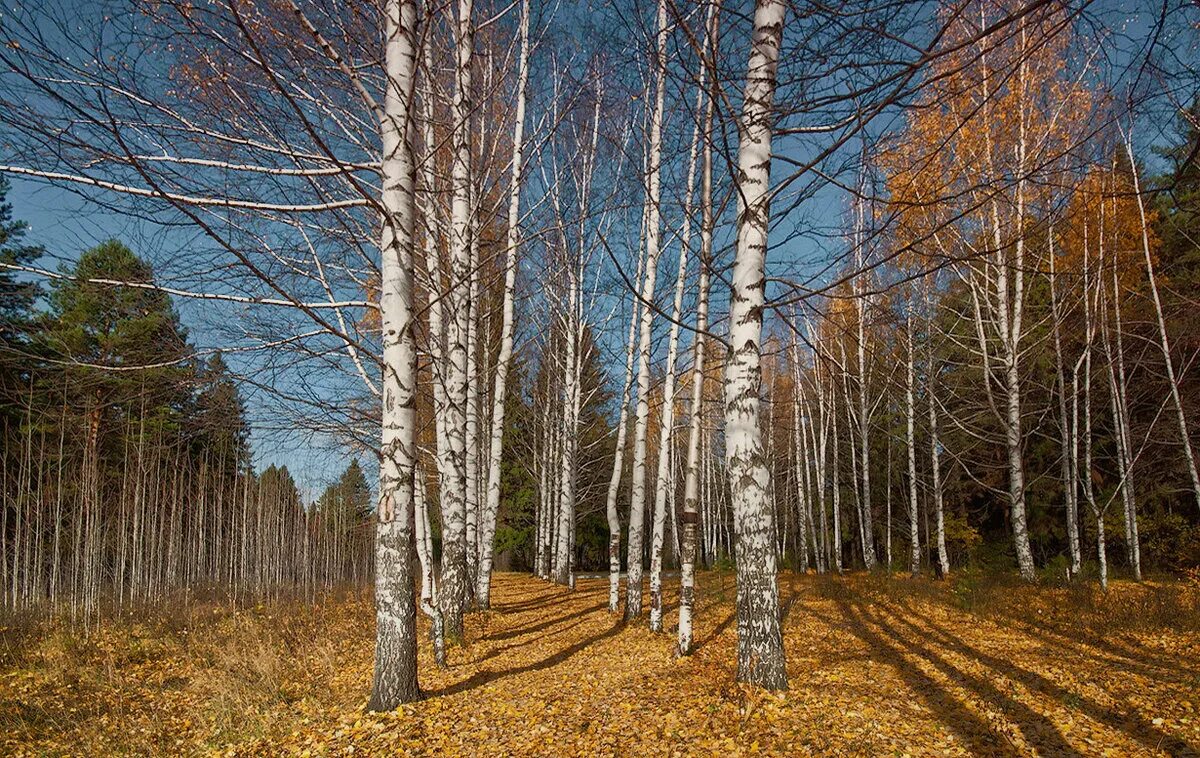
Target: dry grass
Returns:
[878, 665]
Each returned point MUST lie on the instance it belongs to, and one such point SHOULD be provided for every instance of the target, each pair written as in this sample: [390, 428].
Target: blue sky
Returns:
[66, 224]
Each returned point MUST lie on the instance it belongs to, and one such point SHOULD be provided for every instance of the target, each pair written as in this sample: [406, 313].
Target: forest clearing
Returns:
[600, 377]
[879, 667]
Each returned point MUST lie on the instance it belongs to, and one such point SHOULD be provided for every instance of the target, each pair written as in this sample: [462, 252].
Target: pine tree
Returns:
[17, 299]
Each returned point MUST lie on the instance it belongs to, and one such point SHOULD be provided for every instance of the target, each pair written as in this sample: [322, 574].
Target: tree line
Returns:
[875, 285]
[126, 488]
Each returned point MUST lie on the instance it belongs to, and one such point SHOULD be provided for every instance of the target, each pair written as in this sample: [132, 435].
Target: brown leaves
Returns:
[877, 666]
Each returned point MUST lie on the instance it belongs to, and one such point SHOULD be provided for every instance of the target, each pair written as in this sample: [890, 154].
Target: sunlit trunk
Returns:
[491, 507]
[1163, 338]
[637, 505]
[910, 418]
[395, 678]
[760, 652]
[664, 478]
[455, 571]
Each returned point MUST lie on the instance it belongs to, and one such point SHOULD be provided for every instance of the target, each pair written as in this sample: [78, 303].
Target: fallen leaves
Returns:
[896, 670]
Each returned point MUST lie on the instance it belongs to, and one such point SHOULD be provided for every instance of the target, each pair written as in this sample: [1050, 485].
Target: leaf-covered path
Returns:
[877, 667]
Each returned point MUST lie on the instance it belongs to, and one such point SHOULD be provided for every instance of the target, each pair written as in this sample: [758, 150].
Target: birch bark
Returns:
[910, 417]
[395, 676]
[491, 508]
[1164, 342]
[935, 452]
[864, 411]
[760, 641]
[454, 581]
[614, 481]
[637, 505]
[1070, 489]
[663, 475]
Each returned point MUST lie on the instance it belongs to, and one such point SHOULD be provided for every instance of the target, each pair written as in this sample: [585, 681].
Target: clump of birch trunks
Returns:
[877, 665]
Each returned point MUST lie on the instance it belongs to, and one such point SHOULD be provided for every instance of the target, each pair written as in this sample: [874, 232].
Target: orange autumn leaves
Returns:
[878, 666]
[996, 140]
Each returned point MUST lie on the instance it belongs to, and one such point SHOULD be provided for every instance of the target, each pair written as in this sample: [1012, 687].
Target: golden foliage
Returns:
[878, 666]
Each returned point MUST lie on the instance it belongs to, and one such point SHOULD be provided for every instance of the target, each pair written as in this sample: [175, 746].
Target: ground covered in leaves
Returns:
[878, 666]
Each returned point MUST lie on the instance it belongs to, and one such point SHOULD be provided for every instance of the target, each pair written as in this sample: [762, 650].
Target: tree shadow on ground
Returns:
[1130, 723]
[486, 676]
[1107, 652]
[1035, 727]
[554, 620]
[717, 631]
[913, 645]
[966, 725]
[544, 598]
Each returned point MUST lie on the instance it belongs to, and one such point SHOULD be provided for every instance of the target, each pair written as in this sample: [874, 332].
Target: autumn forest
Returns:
[609, 378]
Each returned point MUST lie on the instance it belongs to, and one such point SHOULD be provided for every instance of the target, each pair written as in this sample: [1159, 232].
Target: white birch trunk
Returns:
[864, 411]
[664, 478]
[801, 460]
[835, 478]
[760, 640]
[395, 676]
[935, 445]
[429, 600]
[455, 587]
[1088, 488]
[471, 415]
[1118, 406]
[614, 481]
[910, 413]
[637, 505]
[491, 508]
[570, 444]
[1164, 342]
[1068, 467]
[888, 498]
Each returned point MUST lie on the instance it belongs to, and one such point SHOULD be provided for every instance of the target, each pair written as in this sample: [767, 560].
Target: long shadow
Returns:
[716, 632]
[1130, 723]
[484, 677]
[1103, 650]
[1037, 729]
[1079, 635]
[786, 605]
[964, 723]
[538, 601]
[553, 621]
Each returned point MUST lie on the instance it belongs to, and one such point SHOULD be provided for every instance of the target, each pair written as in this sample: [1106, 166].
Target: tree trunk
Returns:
[395, 679]
[487, 531]
[910, 418]
[637, 505]
[664, 478]
[935, 452]
[1163, 338]
[1068, 440]
[454, 580]
[760, 640]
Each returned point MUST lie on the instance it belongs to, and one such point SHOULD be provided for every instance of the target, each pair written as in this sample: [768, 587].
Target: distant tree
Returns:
[219, 418]
[117, 360]
[17, 299]
[349, 497]
[123, 349]
[1179, 201]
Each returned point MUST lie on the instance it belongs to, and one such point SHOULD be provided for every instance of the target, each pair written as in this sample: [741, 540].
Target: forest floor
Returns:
[878, 666]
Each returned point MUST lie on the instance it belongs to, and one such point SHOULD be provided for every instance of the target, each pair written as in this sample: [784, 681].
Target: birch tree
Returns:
[691, 486]
[760, 639]
[395, 679]
[454, 577]
[637, 506]
[1164, 342]
[487, 532]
